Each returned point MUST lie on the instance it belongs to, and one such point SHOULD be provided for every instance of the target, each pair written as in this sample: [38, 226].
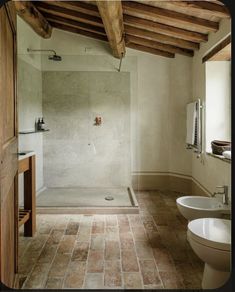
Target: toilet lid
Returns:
[212, 232]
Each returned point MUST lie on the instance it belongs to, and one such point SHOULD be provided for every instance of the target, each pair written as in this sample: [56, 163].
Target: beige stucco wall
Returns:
[160, 88]
[29, 89]
[207, 170]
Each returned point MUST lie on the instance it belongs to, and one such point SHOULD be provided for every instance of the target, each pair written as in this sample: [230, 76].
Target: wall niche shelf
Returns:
[33, 132]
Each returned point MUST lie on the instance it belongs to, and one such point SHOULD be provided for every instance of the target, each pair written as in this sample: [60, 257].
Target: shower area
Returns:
[85, 160]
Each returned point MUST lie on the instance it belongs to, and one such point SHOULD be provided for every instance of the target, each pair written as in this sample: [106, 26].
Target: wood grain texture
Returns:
[79, 6]
[112, 17]
[161, 38]
[30, 14]
[77, 24]
[205, 7]
[8, 148]
[79, 31]
[64, 12]
[223, 48]
[169, 17]
[158, 46]
[164, 29]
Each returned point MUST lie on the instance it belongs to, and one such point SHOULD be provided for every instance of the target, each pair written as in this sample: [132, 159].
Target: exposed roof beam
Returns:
[77, 6]
[168, 16]
[112, 17]
[164, 29]
[150, 50]
[222, 45]
[79, 31]
[74, 23]
[161, 38]
[69, 13]
[158, 46]
[205, 7]
[30, 14]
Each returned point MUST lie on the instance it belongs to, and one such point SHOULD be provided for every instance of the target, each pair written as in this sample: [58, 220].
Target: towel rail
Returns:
[197, 141]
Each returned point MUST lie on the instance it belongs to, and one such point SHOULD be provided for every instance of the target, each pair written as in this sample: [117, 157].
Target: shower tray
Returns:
[81, 200]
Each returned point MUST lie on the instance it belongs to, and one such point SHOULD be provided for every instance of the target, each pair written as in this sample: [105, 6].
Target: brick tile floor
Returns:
[144, 251]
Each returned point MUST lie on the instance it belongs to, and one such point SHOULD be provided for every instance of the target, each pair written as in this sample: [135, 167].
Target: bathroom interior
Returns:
[131, 156]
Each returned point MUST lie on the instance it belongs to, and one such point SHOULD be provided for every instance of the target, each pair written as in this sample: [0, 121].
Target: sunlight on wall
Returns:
[218, 102]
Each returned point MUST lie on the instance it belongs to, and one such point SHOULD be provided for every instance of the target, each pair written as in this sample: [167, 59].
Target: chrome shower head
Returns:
[55, 58]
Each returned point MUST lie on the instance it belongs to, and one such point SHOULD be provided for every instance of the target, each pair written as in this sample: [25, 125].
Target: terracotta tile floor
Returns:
[145, 251]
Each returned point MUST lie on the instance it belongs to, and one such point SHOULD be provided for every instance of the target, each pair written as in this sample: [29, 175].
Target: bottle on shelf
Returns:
[39, 124]
[43, 125]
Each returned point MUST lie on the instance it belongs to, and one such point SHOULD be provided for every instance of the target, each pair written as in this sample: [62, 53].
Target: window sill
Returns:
[221, 157]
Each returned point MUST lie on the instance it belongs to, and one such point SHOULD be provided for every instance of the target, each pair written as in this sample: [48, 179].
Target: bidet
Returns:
[194, 207]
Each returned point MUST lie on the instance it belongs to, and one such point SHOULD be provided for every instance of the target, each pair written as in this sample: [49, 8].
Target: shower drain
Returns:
[109, 198]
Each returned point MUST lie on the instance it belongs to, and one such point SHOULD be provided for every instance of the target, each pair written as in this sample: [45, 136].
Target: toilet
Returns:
[210, 239]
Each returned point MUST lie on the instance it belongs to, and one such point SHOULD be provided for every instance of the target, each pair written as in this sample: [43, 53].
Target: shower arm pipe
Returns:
[37, 50]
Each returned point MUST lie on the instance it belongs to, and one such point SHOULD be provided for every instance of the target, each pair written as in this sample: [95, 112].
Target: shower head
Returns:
[53, 57]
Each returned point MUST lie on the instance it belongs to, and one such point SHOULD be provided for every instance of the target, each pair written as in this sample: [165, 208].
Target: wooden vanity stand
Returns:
[27, 215]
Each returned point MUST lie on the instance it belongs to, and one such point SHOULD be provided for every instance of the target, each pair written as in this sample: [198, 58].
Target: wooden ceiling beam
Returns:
[150, 50]
[168, 16]
[161, 38]
[222, 45]
[112, 17]
[79, 6]
[80, 25]
[78, 31]
[209, 8]
[164, 29]
[30, 14]
[158, 46]
[69, 13]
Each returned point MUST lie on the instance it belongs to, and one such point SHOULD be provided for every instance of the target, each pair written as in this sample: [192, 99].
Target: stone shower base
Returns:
[87, 201]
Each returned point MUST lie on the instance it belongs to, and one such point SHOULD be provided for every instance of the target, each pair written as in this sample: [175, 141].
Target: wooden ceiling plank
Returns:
[69, 13]
[161, 38]
[205, 7]
[77, 6]
[74, 23]
[164, 29]
[172, 17]
[30, 14]
[112, 17]
[78, 31]
[150, 50]
[158, 46]
[223, 44]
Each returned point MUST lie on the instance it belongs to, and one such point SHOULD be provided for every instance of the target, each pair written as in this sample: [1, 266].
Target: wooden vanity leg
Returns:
[29, 197]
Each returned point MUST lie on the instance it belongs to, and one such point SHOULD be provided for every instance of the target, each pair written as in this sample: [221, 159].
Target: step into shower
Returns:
[81, 200]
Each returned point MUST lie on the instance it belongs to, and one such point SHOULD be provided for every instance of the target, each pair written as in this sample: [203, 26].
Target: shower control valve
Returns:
[98, 121]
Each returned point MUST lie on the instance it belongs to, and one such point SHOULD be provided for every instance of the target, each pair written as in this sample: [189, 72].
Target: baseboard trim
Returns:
[147, 181]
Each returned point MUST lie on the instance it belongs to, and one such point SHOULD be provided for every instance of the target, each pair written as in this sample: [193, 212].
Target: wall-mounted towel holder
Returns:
[194, 126]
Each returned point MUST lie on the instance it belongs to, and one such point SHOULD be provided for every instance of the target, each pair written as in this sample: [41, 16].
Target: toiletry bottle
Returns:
[42, 124]
[39, 124]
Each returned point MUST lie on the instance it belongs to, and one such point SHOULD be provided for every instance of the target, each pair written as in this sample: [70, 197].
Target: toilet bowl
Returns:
[210, 239]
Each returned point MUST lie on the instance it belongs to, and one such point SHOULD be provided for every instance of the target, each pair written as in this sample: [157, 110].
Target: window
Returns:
[218, 93]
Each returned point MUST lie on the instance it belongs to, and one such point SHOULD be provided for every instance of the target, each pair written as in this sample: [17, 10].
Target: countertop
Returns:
[26, 155]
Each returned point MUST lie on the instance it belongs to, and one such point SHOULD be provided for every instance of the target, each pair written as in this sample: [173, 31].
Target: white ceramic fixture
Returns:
[210, 239]
[194, 207]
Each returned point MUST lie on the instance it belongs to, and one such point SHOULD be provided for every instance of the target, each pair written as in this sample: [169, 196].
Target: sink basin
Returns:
[194, 207]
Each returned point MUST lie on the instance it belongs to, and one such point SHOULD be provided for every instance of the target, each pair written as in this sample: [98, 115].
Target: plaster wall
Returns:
[77, 153]
[29, 89]
[208, 171]
[153, 102]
